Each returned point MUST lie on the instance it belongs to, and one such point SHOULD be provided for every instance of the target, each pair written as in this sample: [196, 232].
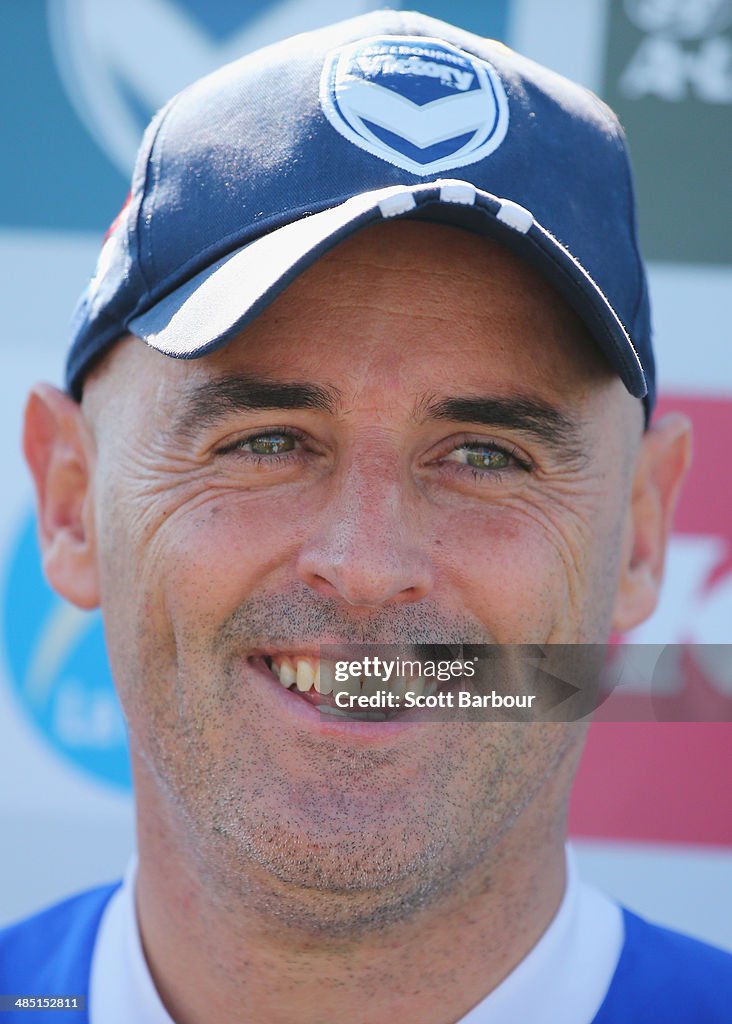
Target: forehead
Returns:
[409, 303]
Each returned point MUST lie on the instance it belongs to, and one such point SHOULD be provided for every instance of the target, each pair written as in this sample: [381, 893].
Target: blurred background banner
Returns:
[79, 79]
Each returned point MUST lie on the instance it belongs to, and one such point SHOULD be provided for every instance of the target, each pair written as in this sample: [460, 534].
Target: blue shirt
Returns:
[662, 977]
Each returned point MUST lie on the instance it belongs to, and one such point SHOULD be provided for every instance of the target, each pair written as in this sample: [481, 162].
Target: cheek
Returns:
[217, 555]
[168, 587]
[172, 569]
[511, 569]
[199, 563]
[540, 570]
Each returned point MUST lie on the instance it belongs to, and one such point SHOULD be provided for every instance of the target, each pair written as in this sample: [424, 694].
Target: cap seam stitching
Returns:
[154, 172]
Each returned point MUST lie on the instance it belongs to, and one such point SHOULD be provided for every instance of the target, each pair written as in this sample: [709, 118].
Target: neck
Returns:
[231, 958]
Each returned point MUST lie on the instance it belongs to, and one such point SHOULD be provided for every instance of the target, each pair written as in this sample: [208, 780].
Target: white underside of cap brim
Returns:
[190, 320]
[208, 310]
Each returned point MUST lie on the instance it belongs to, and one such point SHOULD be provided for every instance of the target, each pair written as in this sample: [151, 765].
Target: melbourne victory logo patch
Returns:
[419, 103]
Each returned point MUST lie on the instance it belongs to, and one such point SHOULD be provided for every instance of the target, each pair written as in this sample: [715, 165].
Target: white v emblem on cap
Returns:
[421, 125]
[417, 102]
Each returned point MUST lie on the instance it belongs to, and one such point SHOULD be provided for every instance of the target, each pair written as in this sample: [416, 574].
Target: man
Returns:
[410, 405]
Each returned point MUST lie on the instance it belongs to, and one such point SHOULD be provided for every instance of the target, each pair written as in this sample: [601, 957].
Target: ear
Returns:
[663, 460]
[59, 451]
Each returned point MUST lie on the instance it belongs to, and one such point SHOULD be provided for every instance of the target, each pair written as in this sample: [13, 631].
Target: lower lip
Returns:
[307, 715]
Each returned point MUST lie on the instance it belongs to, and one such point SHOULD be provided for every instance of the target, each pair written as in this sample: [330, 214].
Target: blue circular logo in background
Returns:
[59, 670]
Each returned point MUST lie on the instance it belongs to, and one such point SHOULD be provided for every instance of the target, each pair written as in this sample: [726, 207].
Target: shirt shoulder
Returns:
[49, 954]
[665, 977]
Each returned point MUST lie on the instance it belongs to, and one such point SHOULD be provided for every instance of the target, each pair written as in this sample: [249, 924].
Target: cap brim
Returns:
[211, 308]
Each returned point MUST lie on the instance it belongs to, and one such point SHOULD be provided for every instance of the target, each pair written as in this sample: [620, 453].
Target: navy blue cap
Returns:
[251, 173]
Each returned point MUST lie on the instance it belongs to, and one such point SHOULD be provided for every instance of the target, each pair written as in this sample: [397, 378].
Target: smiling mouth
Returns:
[314, 679]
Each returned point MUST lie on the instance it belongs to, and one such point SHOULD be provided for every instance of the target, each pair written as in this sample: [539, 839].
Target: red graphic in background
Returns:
[670, 781]
[655, 781]
[706, 501]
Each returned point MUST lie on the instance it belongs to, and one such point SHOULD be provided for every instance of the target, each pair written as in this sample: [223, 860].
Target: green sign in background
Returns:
[672, 90]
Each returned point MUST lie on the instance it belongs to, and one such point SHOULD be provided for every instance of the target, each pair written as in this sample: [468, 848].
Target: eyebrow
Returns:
[527, 415]
[203, 405]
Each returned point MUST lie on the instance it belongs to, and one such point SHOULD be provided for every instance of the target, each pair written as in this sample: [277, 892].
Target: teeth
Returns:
[325, 677]
[287, 672]
[399, 686]
[305, 675]
[351, 686]
[416, 686]
[371, 686]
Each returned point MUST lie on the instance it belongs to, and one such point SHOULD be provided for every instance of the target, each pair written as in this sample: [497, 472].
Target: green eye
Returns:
[488, 458]
[271, 444]
[483, 457]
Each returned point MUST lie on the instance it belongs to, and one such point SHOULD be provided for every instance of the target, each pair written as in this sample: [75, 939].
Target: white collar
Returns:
[563, 980]
[121, 988]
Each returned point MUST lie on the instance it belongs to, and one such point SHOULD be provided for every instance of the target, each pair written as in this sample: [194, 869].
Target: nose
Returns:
[366, 549]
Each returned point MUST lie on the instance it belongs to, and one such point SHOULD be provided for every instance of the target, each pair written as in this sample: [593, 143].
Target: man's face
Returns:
[414, 443]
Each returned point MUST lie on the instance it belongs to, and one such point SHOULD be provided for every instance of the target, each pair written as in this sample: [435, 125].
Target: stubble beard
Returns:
[342, 850]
